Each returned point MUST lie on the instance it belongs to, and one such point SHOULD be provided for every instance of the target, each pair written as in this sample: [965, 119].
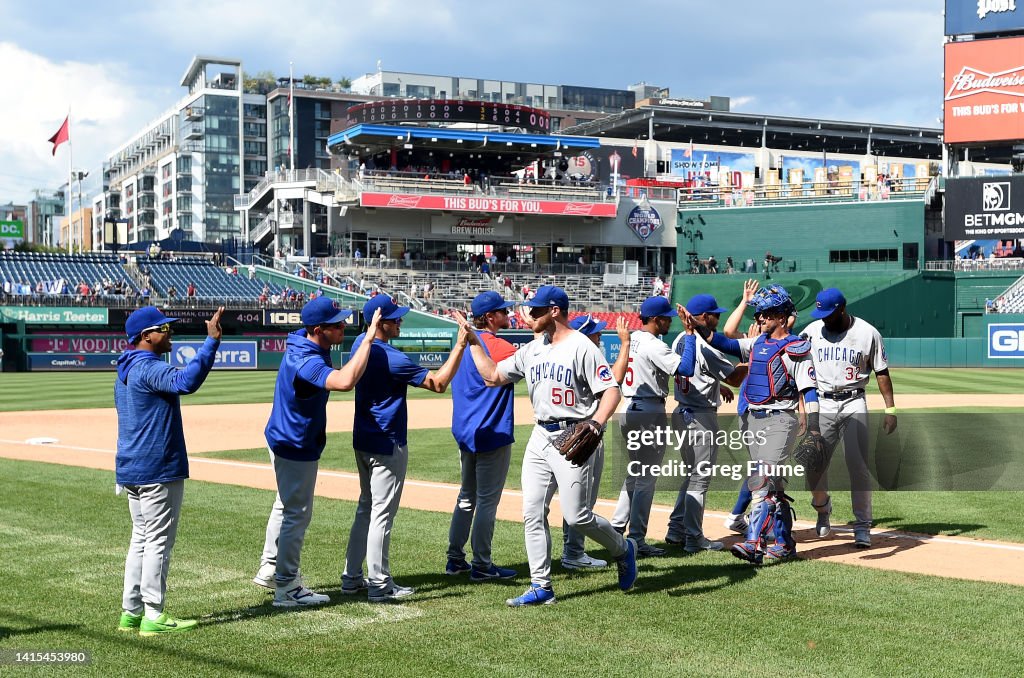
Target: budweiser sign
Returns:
[984, 91]
[469, 222]
[973, 81]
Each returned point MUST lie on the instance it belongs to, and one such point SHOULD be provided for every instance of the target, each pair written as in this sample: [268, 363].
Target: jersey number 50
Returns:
[563, 396]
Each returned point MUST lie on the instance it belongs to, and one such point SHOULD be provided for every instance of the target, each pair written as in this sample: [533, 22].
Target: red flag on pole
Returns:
[61, 136]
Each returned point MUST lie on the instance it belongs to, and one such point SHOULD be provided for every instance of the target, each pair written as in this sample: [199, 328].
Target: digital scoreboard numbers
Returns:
[451, 110]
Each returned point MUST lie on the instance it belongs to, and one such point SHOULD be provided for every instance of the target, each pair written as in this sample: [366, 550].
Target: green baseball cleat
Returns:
[165, 623]
[129, 622]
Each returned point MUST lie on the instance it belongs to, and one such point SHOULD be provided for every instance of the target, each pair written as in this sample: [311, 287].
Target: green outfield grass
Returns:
[73, 390]
[65, 535]
[434, 456]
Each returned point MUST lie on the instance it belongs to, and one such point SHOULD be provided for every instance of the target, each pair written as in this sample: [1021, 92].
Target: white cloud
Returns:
[105, 109]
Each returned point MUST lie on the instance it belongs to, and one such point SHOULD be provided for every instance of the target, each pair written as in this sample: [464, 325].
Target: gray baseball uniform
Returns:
[843, 363]
[773, 425]
[565, 382]
[697, 398]
[645, 387]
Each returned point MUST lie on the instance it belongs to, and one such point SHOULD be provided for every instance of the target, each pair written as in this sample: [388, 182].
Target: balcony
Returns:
[194, 113]
[807, 193]
[192, 132]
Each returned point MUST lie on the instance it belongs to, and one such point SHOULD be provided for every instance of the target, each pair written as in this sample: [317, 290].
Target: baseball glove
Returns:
[811, 453]
[579, 440]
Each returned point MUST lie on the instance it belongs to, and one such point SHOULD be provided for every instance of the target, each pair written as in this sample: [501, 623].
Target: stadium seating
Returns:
[1012, 301]
[211, 281]
[49, 268]
[632, 319]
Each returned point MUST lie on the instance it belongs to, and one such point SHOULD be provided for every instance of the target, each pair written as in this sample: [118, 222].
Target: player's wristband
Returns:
[891, 410]
[812, 423]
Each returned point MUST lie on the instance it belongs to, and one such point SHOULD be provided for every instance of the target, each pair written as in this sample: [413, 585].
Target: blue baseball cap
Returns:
[657, 307]
[826, 303]
[703, 303]
[147, 317]
[389, 310]
[549, 295]
[485, 302]
[587, 324]
[323, 311]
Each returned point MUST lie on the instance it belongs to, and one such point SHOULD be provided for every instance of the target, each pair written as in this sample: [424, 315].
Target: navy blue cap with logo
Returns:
[587, 324]
[145, 318]
[826, 303]
[703, 303]
[657, 307]
[549, 295]
[389, 310]
[488, 301]
[323, 311]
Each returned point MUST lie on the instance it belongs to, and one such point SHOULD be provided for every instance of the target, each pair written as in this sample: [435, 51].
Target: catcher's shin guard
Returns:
[784, 546]
[762, 520]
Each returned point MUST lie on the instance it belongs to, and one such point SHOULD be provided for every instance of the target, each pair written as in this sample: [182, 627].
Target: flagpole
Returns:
[291, 118]
[71, 178]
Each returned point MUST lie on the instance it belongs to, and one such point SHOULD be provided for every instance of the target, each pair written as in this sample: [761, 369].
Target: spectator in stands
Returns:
[712, 264]
[526, 291]
[729, 267]
[657, 287]
[428, 290]
[508, 284]
[990, 306]
[144, 294]
[414, 289]
[485, 268]
[359, 254]
[383, 256]
[172, 293]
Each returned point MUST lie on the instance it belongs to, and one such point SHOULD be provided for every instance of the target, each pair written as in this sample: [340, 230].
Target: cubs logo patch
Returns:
[604, 374]
[810, 371]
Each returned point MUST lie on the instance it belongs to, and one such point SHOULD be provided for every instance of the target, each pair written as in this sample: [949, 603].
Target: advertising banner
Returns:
[984, 94]
[53, 315]
[407, 201]
[71, 362]
[472, 226]
[12, 229]
[231, 355]
[978, 17]
[197, 317]
[1006, 340]
[79, 342]
[643, 220]
[712, 165]
[985, 208]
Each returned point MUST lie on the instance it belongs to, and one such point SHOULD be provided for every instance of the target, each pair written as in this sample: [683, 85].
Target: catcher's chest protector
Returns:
[768, 378]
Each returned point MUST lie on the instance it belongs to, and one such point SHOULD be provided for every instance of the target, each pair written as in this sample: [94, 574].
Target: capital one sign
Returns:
[1006, 340]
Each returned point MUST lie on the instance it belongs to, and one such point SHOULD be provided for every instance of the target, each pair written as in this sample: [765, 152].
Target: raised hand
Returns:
[749, 289]
[622, 329]
[213, 329]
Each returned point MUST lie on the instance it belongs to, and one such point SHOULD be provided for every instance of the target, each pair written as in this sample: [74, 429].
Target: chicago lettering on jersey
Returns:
[839, 354]
[560, 374]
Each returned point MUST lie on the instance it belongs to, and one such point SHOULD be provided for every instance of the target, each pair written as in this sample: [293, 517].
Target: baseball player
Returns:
[845, 350]
[296, 435]
[380, 441]
[698, 398]
[780, 373]
[482, 424]
[569, 381]
[152, 462]
[650, 365]
[574, 557]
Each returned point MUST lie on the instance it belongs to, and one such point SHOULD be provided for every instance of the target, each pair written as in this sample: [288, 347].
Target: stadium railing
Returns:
[808, 192]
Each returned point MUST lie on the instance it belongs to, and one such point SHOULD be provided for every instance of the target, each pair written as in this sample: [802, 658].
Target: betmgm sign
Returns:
[1006, 340]
[985, 208]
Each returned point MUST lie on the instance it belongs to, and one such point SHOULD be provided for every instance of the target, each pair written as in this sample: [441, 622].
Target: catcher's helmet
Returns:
[774, 298]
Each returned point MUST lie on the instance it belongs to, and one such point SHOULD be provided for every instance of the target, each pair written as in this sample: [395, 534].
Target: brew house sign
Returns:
[469, 226]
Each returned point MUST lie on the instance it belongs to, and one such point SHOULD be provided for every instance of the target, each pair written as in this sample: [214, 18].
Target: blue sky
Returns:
[118, 65]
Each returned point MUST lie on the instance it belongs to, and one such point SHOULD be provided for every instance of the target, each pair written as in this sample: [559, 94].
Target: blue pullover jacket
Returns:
[150, 438]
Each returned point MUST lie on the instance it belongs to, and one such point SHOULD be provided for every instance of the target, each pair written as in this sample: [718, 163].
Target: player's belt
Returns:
[654, 398]
[764, 414]
[556, 424]
[842, 395]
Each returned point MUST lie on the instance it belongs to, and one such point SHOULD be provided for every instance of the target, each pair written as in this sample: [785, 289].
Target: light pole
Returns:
[80, 175]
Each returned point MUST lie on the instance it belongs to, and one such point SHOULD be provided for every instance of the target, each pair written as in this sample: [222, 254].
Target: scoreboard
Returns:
[451, 110]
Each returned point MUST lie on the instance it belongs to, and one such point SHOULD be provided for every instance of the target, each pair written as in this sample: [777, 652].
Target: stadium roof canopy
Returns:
[372, 139]
[672, 124]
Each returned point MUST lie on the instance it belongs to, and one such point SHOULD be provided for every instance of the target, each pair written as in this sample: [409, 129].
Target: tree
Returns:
[344, 83]
[310, 80]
